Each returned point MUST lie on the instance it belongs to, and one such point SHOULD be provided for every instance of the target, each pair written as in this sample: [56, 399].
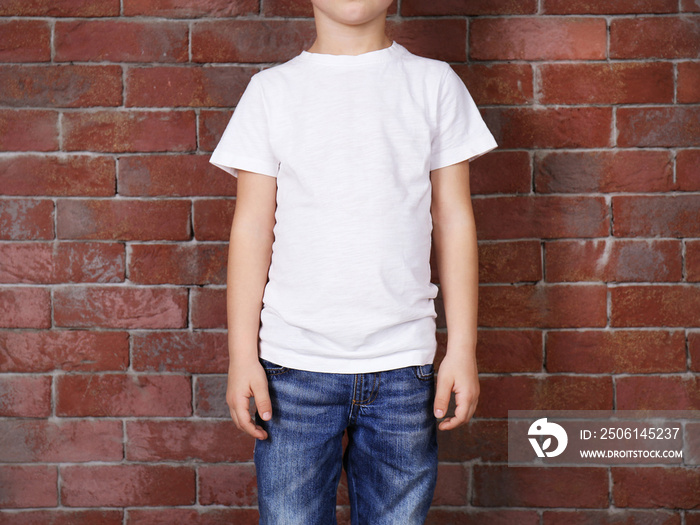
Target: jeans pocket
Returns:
[272, 368]
[425, 372]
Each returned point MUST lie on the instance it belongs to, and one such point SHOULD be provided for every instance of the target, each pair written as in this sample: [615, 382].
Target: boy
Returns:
[348, 157]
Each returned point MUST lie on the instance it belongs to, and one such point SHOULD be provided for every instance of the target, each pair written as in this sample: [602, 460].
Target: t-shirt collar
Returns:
[379, 55]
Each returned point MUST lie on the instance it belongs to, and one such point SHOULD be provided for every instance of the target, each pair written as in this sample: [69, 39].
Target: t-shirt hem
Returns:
[471, 151]
[232, 163]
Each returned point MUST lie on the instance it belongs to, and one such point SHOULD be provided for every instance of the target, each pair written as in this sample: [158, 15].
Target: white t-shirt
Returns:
[352, 140]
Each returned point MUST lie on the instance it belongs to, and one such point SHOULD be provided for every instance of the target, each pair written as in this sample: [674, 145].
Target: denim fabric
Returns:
[390, 460]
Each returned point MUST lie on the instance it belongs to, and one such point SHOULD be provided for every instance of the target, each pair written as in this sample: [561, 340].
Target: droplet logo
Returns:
[542, 428]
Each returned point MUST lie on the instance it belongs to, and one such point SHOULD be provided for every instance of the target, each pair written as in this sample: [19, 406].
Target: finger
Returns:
[443, 392]
[461, 412]
[245, 422]
[262, 400]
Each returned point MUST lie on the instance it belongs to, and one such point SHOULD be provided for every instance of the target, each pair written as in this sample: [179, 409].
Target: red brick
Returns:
[216, 516]
[25, 396]
[655, 37]
[297, 8]
[615, 352]
[653, 487]
[441, 39]
[647, 216]
[670, 126]
[250, 40]
[190, 8]
[129, 131]
[603, 171]
[201, 263]
[63, 517]
[655, 306]
[59, 8]
[51, 263]
[510, 262]
[127, 485]
[61, 86]
[475, 7]
[692, 261]
[688, 170]
[123, 219]
[613, 260]
[28, 441]
[605, 7]
[177, 86]
[503, 486]
[28, 486]
[70, 350]
[192, 352]
[173, 175]
[121, 41]
[610, 517]
[208, 308]
[691, 6]
[499, 394]
[210, 397]
[694, 351]
[501, 172]
[486, 440]
[208, 441]
[541, 217]
[26, 219]
[211, 127]
[119, 395]
[28, 130]
[498, 83]
[25, 41]
[658, 393]
[565, 127]
[230, 485]
[611, 83]
[520, 38]
[213, 219]
[469, 516]
[120, 307]
[452, 485]
[25, 307]
[503, 351]
[688, 82]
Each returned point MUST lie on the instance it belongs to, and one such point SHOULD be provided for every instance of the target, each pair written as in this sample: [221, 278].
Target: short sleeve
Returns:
[245, 144]
[460, 133]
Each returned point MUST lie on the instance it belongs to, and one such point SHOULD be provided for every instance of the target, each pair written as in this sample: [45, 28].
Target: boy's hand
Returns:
[247, 379]
[458, 374]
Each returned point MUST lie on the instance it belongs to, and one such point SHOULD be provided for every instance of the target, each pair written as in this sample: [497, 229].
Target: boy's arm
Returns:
[250, 250]
[454, 238]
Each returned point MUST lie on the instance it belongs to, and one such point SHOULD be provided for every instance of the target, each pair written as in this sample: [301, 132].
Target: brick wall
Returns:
[113, 233]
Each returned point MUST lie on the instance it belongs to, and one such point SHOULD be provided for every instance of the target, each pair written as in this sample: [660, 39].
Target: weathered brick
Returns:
[693, 351]
[669, 392]
[603, 171]
[216, 516]
[192, 352]
[25, 41]
[452, 485]
[668, 126]
[503, 486]
[692, 261]
[441, 39]
[498, 83]
[28, 486]
[611, 83]
[25, 307]
[208, 307]
[129, 131]
[461, 8]
[70, 350]
[501, 172]
[119, 395]
[663, 215]
[690, 6]
[123, 219]
[541, 217]
[296, 8]
[26, 219]
[63, 517]
[212, 124]
[655, 37]
[230, 485]
[565, 127]
[653, 487]
[688, 82]
[688, 169]
[121, 41]
[120, 307]
[486, 440]
[605, 7]
[29, 441]
[28, 130]
[503, 351]
[660, 305]
[127, 485]
[185, 440]
[510, 262]
[59, 8]
[213, 219]
[25, 396]
[615, 352]
[201, 263]
[556, 392]
[464, 515]
[173, 175]
[610, 517]
[190, 8]
[61, 86]
[613, 260]
[210, 397]
[177, 86]
[520, 38]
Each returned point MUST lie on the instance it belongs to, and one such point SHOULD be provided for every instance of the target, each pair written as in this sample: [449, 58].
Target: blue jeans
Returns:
[390, 459]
